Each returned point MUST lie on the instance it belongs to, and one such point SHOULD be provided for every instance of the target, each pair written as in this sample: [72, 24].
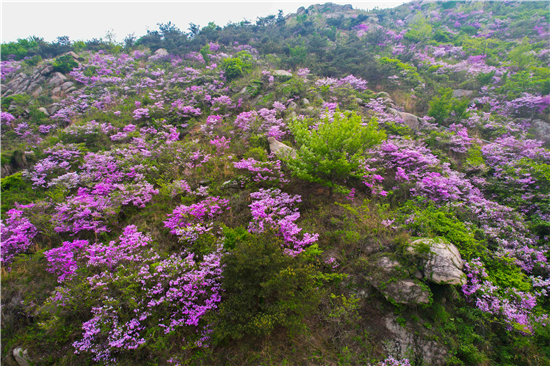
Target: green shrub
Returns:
[264, 288]
[334, 151]
[64, 64]
[236, 67]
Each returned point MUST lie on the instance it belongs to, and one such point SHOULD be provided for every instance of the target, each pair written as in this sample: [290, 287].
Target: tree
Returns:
[333, 151]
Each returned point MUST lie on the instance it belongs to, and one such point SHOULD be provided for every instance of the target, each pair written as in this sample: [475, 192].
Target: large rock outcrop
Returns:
[412, 344]
[443, 263]
[390, 279]
[410, 119]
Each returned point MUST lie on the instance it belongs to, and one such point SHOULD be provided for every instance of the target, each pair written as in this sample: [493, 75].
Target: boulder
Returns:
[57, 79]
[292, 106]
[74, 56]
[382, 95]
[21, 357]
[305, 101]
[459, 93]
[387, 278]
[56, 91]
[70, 90]
[281, 75]
[47, 70]
[161, 52]
[541, 130]
[280, 149]
[44, 110]
[37, 92]
[66, 85]
[443, 264]
[412, 344]
[410, 119]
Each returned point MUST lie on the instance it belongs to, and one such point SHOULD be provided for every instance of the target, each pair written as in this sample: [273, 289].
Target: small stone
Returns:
[57, 79]
[47, 70]
[56, 91]
[305, 101]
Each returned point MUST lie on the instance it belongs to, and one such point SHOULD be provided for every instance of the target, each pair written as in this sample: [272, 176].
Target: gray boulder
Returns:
[541, 130]
[57, 79]
[66, 85]
[410, 119]
[281, 150]
[387, 278]
[443, 264]
[281, 75]
[37, 92]
[47, 70]
[161, 52]
[21, 357]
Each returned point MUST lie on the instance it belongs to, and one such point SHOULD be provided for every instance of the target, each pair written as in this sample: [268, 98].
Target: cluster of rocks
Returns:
[441, 263]
[35, 84]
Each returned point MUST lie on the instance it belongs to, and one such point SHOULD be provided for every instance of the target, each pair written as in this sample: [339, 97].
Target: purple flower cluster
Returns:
[17, 233]
[273, 209]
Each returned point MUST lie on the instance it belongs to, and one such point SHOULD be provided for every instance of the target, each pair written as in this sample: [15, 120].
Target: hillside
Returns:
[329, 187]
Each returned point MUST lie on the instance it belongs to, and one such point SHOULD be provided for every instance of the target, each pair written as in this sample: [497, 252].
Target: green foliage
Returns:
[431, 221]
[441, 107]
[520, 55]
[421, 31]
[333, 151]
[236, 67]
[264, 288]
[64, 64]
[407, 72]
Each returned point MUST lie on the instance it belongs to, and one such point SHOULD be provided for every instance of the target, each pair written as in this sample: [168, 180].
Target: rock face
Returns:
[280, 149]
[387, 278]
[444, 263]
[412, 345]
[459, 93]
[23, 83]
[282, 75]
[57, 79]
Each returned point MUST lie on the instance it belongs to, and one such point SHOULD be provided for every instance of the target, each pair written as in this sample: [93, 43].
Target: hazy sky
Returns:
[87, 20]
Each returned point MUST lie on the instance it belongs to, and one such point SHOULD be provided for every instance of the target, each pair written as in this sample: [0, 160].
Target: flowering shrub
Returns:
[17, 233]
[273, 209]
[188, 222]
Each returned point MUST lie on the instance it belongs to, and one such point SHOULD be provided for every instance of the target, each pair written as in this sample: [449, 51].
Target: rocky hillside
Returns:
[329, 187]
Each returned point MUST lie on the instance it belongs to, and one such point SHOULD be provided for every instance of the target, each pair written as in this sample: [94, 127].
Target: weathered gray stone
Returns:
[47, 70]
[57, 79]
[443, 264]
[21, 356]
[37, 92]
[382, 95]
[459, 93]
[280, 149]
[305, 101]
[161, 52]
[66, 85]
[70, 90]
[410, 119]
[541, 130]
[292, 106]
[44, 110]
[409, 344]
[387, 278]
[56, 91]
[282, 75]
[74, 56]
